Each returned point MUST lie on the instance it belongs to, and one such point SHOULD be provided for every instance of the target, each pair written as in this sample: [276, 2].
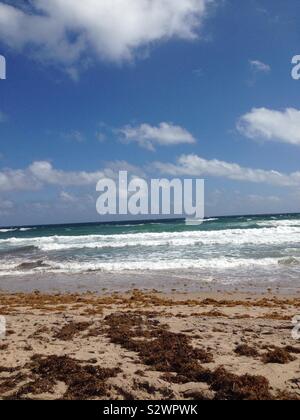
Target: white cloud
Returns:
[115, 30]
[42, 173]
[17, 179]
[272, 125]
[193, 165]
[166, 134]
[259, 66]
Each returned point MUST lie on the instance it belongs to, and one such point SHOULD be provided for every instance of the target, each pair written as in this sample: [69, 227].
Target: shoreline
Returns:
[149, 345]
[187, 282]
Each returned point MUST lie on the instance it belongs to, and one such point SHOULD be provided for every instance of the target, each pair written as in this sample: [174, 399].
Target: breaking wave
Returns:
[241, 245]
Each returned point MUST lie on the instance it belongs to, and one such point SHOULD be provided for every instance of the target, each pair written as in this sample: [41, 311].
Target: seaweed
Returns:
[69, 331]
[3, 347]
[232, 387]
[293, 350]
[83, 381]
[245, 350]
[9, 384]
[164, 351]
[278, 356]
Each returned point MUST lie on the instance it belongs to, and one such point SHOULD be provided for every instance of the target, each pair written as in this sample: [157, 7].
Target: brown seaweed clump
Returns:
[83, 381]
[174, 355]
[3, 347]
[69, 331]
[227, 386]
[9, 384]
[172, 352]
[245, 350]
[293, 350]
[279, 356]
[232, 387]
[164, 351]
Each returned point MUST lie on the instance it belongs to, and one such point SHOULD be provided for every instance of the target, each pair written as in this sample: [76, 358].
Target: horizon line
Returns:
[143, 221]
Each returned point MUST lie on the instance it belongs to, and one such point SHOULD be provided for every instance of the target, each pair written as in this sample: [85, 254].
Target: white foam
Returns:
[278, 223]
[196, 249]
[279, 235]
[149, 265]
[15, 230]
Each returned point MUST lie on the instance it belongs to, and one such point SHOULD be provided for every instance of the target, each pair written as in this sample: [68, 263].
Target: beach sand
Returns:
[149, 345]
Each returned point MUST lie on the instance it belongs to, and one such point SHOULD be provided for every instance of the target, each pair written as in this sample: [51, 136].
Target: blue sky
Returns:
[190, 87]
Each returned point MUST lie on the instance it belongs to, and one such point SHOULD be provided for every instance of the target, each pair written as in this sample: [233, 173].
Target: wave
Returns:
[289, 261]
[280, 235]
[137, 266]
[280, 223]
[31, 265]
[16, 230]
[18, 250]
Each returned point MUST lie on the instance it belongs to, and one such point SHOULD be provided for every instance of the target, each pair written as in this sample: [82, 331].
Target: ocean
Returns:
[227, 250]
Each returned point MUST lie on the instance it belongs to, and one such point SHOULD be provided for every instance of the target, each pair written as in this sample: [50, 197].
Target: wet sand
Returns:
[149, 345]
[166, 281]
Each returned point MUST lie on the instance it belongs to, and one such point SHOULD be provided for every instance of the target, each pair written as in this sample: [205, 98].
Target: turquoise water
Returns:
[229, 248]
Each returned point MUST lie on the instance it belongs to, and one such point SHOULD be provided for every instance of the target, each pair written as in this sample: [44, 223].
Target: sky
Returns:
[161, 88]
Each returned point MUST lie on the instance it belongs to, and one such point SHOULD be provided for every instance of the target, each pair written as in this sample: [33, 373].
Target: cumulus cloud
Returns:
[114, 30]
[42, 173]
[259, 66]
[166, 134]
[271, 125]
[17, 179]
[195, 166]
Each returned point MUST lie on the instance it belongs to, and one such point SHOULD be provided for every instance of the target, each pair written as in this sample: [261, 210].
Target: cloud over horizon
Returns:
[42, 173]
[196, 166]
